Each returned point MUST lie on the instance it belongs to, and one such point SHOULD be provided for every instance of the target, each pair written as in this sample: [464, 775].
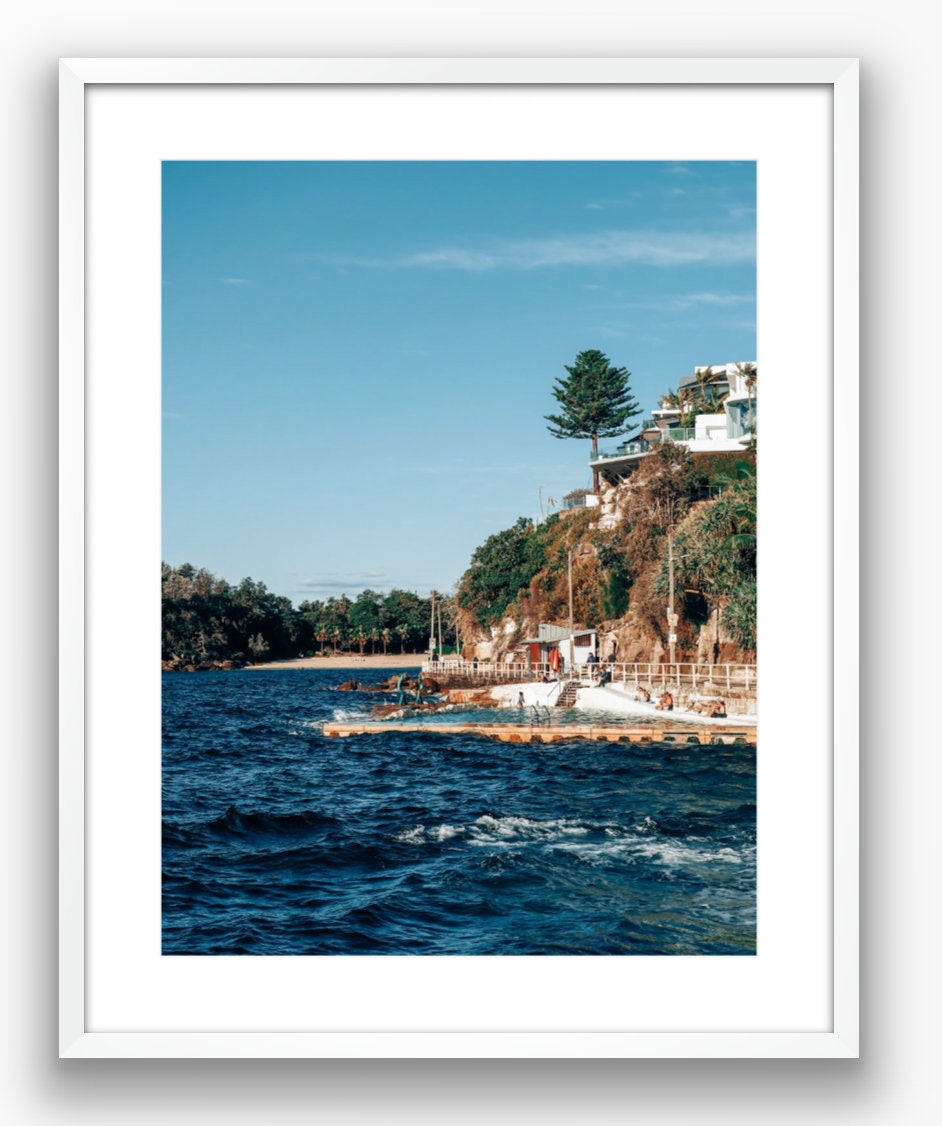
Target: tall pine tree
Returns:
[596, 402]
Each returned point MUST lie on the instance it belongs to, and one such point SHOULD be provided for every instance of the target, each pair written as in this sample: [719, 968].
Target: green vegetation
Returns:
[710, 504]
[207, 621]
[523, 572]
[596, 402]
[716, 554]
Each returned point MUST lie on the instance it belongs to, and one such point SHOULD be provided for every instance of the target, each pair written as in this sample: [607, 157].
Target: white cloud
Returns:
[606, 248]
[674, 302]
[352, 583]
[520, 467]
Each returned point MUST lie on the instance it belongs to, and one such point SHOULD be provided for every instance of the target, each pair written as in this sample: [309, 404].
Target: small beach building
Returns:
[574, 650]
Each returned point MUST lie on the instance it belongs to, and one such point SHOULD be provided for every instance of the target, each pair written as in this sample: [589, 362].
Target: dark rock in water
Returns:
[383, 711]
[348, 686]
[410, 709]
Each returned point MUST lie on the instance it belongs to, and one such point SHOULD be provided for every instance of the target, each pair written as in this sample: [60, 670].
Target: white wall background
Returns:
[893, 1081]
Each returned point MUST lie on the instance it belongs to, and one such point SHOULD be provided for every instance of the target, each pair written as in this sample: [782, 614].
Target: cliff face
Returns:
[620, 572]
[634, 636]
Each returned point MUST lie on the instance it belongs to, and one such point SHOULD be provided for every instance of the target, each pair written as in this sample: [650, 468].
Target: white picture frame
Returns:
[90, 498]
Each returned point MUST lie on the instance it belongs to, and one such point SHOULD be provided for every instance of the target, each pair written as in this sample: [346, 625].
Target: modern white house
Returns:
[731, 427]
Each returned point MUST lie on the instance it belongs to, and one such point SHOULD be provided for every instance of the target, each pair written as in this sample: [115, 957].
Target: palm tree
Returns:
[403, 633]
[685, 401]
[706, 383]
[749, 373]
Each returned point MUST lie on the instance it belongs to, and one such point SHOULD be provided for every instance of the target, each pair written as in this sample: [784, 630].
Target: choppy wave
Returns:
[277, 840]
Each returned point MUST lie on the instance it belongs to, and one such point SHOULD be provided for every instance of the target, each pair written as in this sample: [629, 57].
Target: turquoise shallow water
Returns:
[277, 840]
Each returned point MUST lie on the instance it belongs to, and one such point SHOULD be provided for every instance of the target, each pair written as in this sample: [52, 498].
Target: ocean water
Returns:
[278, 840]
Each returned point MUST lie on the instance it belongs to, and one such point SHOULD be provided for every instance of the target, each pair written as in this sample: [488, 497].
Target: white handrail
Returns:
[697, 674]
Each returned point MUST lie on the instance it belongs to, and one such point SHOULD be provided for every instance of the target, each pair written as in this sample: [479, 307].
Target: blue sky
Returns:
[357, 357]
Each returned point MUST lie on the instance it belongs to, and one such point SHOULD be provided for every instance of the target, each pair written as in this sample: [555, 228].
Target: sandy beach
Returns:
[350, 661]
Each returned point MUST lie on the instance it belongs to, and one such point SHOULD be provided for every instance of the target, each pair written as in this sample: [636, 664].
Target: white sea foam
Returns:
[671, 854]
[411, 836]
[348, 715]
[488, 830]
[568, 836]
[421, 835]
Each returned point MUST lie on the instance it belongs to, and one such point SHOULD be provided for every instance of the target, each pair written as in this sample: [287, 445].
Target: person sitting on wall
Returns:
[643, 695]
[665, 702]
[716, 708]
[605, 678]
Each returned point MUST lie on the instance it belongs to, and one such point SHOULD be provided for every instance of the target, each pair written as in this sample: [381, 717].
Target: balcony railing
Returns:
[583, 500]
[640, 446]
[626, 449]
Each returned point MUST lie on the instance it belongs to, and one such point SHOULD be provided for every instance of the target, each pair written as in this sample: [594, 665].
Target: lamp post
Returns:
[571, 630]
[671, 616]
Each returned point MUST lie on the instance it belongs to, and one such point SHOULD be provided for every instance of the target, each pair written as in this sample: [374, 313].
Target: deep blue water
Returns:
[278, 840]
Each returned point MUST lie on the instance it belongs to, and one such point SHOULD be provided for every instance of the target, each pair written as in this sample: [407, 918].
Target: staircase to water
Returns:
[567, 695]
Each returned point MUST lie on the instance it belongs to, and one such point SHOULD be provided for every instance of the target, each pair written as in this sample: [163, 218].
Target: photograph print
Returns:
[459, 548]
